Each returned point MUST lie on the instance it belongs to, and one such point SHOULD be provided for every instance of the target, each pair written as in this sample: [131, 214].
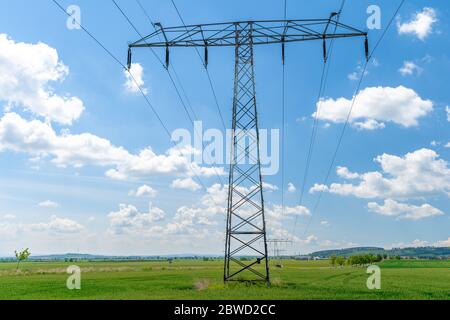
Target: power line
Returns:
[204, 63]
[341, 136]
[172, 65]
[92, 36]
[136, 83]
[283, 103]
[283, 143]
[176, 75]
[324, 81]
[246, 212]
[178, 79]
[121, 64]
[171, 78]
[185, 107]
[205, 67]
[315, 128]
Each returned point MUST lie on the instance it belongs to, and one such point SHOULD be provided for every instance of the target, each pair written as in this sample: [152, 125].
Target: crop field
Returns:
[195, 279]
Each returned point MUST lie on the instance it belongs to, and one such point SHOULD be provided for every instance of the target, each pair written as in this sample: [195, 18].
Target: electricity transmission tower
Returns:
[246, 256]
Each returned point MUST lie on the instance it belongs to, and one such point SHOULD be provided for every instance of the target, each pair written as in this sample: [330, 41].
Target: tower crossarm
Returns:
[263, 32]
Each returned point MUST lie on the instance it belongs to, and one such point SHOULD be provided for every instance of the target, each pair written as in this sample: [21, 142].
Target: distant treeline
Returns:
[360, 260]
[90, 258]
[422, 253]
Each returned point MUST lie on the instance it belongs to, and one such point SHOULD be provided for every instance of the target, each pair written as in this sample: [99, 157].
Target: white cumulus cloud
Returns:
[276, 211]
[420, 25]
[129, 219]
[343, 172]
[324, 223]
[414, 175]
[443, 243]
[409, 68]
[393, 208]
[203, 221]
[311, 239]
[48, 204]
[134, 79]
[376, 105]
[291, 187]
[268, 187]
[40, 140]
[187, 184]
[26, 73]
[56, 225]
[144, 191]
[356, 75]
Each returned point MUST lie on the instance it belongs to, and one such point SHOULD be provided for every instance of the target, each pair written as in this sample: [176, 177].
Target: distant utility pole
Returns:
[246, 257]
[277, 246]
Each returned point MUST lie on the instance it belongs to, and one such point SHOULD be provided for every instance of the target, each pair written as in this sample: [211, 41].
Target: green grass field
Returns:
[202, 280]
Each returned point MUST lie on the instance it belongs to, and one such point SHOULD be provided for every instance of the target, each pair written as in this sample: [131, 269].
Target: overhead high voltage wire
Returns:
[173, 82]
[322, 86]
[172, 65]
[205, 67]
[165, 67]
[207, 73]
[173, 68]
[221, 38]
[185, 107]
[358, 88]
[120, 63]
[136, 83]
[283, 102]
[208, 76]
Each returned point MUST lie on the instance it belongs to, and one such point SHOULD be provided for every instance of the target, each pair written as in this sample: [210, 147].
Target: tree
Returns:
[364, 259]
[340, 261]
[333, 260]
[22, 256]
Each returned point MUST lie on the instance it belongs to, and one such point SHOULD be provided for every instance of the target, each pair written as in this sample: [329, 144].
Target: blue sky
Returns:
[69, 128]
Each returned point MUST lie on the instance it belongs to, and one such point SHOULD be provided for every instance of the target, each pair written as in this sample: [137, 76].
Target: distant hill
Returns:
[423, 253]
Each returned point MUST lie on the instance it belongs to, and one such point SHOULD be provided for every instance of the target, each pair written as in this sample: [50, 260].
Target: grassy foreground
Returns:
[202, 280]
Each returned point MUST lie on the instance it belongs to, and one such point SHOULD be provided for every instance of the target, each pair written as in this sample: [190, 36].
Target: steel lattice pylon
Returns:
[246, 225]
[246, 228]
